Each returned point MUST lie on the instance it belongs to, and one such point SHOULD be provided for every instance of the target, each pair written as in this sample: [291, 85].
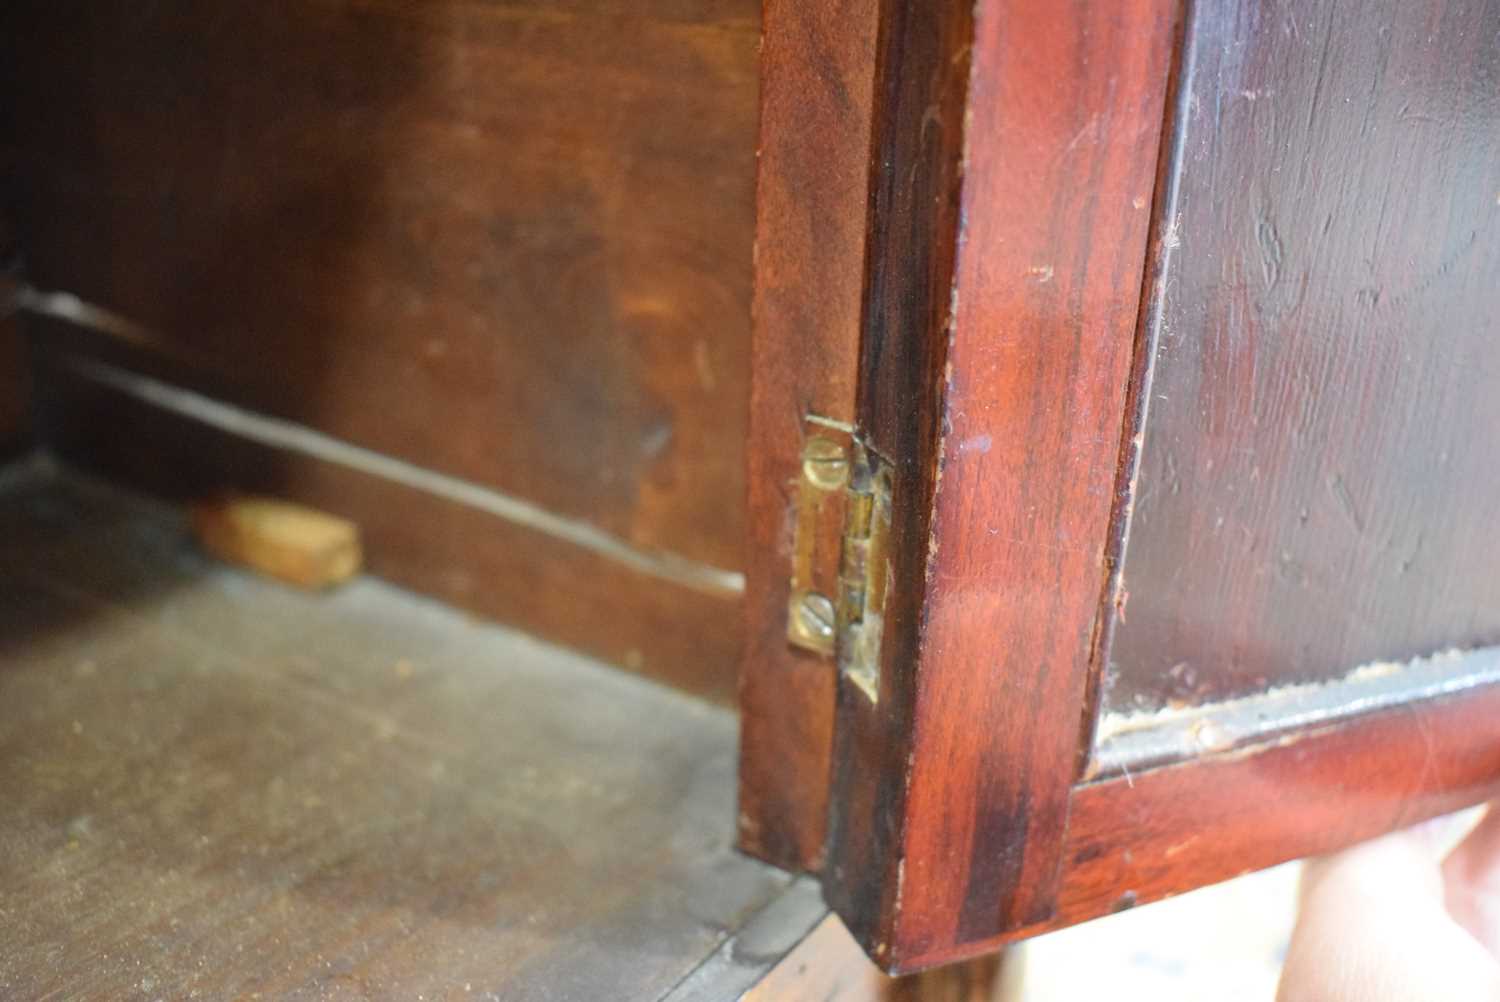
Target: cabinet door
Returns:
[1166, 548]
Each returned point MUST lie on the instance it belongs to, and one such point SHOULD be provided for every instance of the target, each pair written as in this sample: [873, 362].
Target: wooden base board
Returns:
[682, 635]
[219, 785]
[222, 786]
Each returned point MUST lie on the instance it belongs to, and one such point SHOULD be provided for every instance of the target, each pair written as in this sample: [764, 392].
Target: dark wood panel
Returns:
[817, 72]
[14, 386]
[1317, 479]
[14, 381]
[510, 240]
[219, 787]
[1139, 839]
[1007, 254]
[682, 635]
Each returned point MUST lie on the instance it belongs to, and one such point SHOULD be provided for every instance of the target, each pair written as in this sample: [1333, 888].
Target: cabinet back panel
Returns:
[506, 241]
[1317, 482]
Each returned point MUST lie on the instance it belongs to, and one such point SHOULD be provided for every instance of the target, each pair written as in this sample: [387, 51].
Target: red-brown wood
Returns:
[921, 77]
[1011, 211]
[1139, 839]
[817, 67]
[956, 805]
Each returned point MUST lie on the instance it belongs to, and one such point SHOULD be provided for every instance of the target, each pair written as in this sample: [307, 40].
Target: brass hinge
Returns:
[840, 562]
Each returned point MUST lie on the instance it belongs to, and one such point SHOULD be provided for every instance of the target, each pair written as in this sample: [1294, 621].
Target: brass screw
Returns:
[825, 465]
[813, 620]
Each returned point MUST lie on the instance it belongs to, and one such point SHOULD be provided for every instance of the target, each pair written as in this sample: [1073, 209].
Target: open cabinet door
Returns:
[1157, 542]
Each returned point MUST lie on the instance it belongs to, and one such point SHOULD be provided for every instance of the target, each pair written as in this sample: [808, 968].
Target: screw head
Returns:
[813, 621]
[825, 464]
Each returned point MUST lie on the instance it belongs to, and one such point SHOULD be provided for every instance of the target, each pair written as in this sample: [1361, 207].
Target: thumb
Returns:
[1374, 928]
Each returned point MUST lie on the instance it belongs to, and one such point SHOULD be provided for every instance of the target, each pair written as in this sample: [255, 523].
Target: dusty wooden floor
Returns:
[215, 787]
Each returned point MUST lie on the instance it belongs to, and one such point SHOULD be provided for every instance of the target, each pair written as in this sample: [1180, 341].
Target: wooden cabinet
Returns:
[1177, 341]
[1064, 430]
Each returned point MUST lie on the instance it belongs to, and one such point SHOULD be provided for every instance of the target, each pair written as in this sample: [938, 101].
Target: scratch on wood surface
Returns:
[1143, 740]
[1172, 238]
[1174, 849]
[1340, 491]
[1428, 752]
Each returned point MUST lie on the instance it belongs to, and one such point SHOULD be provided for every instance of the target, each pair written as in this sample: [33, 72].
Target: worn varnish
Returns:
[921, 64]
[219, 786]
[508, 241]
[817, 67]
[1138, 839]
[1009, 231]
[1317, 476]
[1174, 829]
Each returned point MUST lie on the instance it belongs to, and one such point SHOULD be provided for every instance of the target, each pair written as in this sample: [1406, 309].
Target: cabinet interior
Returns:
[475, 276]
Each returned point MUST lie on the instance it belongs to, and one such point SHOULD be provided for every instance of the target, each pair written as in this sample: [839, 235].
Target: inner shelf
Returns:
[225, 787]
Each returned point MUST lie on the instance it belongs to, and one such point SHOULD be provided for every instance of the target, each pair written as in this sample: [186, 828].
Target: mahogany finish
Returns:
[1294, 462]
[1149, 836]
[1318, 478]
[817, 67]
[1009, 229]
[920, 75]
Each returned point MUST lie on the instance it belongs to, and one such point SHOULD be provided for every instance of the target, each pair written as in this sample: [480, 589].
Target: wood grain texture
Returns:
[1273, 380]
[996, 359]
[1317, 478]
[217, 787]
[511, 240]
[921, 76]
[683, 636]
[817, 72]
[1136, 840]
